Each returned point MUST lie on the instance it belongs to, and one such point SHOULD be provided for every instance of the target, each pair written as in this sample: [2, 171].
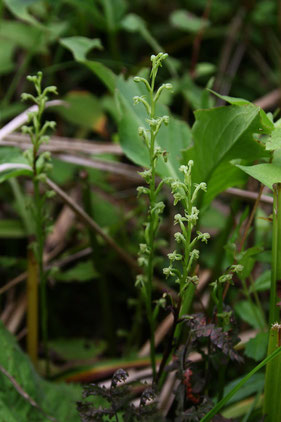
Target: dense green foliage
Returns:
[189, 256]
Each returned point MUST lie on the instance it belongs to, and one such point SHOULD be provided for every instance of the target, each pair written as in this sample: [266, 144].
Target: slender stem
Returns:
[187, 294]
[32, 307]
[40, 236]
[276, 259]
[152, 232]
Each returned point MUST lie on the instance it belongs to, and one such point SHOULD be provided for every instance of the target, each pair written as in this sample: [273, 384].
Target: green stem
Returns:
[187, 294]
[276, 253]
[40, 237]
[272, 402]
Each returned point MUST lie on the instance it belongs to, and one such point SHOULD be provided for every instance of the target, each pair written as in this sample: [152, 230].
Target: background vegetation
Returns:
[96, 319]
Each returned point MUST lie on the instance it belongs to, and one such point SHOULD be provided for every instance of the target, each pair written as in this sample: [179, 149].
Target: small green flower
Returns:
[174, 256]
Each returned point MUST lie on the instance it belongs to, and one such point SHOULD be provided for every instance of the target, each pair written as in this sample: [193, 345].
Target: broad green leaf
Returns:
[262, 283]
[23, 35]
[223, 134]
[217, 183]
[249, 313]
[256, 347]
[268, 173]
[187, 22]
[213, 218]
[62, 172]
[230, 100]
[273, 141]
[267, 122]
[57, 400]
[83, 271]
[103, 73]
[11, 229]
[79, 52]
[80, 46]
[174, 138]
[19, 8]
[254, 385]
[84, 110]
[77, 348]
[6, 56]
